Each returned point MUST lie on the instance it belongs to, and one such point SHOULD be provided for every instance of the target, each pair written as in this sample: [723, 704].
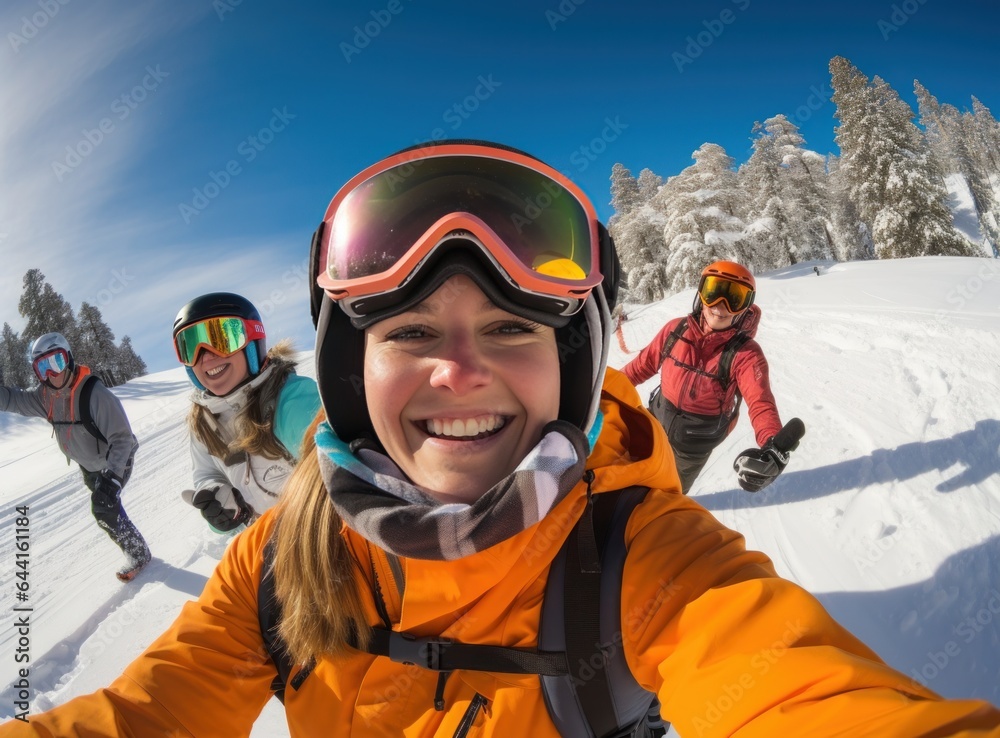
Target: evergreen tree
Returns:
[914, 219]
[649, 185]
[129, 364]
[15, 367]
[768, 235]
[891, 178]
[850, 236]
[637, 230]
[45, 309]
[624, 190]
[638, 238]
[956, 146]
[95, 345]
[702, 223]
[785, 186]
[987, 136]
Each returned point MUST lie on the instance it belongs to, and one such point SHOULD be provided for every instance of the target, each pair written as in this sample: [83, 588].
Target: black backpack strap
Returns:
[439, 654]
[733, 345]
[582, 614]
[86, 390]
[675, 334]
[269, 615]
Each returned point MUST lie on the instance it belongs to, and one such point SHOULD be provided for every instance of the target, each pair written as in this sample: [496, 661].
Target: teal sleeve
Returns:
[298, 404]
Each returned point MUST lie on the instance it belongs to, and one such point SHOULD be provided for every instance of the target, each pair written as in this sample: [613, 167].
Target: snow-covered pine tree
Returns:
[624, 190]
[914, 219]
[15, 369]
[987, 138]
[785, 186]
[45, 309]
[649, 185]
[768, 239]
[890, 176]
[637, 230]
[702, 223]
[954, 144]
[851, 239]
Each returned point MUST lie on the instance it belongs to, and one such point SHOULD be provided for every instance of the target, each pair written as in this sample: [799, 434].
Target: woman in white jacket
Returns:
[249, 412]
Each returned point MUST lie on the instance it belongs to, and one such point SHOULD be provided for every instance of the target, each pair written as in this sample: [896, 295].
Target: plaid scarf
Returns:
[375, 499]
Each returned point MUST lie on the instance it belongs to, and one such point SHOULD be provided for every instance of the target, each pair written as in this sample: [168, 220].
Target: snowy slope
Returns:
[889, 510]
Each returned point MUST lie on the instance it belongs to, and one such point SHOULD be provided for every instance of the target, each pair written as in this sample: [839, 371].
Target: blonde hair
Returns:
[254, 425]
[322, 611]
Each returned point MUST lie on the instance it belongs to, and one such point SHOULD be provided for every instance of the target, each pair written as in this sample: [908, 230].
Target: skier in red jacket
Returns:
[708, 362]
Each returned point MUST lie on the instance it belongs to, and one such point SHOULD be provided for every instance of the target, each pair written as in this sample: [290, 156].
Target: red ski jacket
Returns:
[688, 376]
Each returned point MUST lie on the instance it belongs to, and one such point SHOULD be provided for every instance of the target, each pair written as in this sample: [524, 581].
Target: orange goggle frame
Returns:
[535, 227]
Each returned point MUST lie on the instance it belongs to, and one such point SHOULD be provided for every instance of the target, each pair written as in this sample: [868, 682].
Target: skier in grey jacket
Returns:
[91, 428]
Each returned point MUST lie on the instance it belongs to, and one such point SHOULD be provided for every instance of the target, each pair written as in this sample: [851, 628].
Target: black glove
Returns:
[758, 467]
[223, 507]
[108, 484]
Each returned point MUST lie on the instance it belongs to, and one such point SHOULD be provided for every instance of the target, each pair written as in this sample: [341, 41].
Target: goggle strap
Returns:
[316, 292]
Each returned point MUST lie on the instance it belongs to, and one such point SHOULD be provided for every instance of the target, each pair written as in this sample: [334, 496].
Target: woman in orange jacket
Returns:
[469, 429]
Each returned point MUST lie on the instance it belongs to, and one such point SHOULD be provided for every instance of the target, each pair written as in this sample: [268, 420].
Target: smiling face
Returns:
[459, 390]
[717, 317]
[221, 375]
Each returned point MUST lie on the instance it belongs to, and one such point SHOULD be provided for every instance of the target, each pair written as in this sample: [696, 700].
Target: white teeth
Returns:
[216, 371]
[459, 428]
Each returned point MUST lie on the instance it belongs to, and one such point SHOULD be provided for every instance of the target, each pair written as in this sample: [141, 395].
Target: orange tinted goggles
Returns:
[713, 290]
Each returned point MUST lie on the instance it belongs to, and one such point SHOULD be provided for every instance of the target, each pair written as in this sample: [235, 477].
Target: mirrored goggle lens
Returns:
[717, 289]
[53, 363]
[542, 223]
[223, 336]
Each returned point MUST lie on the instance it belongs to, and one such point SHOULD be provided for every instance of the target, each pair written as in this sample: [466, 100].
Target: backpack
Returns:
[85, 390]
[733, 345]
[586, 683]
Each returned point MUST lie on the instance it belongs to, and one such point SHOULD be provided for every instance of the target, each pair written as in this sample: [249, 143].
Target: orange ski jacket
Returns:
[730, 648]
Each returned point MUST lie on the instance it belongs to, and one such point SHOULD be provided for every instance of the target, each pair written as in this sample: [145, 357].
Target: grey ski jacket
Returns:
[62, 408]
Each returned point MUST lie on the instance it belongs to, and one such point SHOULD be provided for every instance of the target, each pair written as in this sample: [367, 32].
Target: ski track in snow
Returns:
[889, 510]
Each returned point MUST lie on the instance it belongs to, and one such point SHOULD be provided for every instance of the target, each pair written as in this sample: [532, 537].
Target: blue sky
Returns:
[153, 151]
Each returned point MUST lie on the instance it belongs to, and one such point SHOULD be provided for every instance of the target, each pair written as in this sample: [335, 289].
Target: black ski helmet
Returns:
[223, 305]
[582, 339]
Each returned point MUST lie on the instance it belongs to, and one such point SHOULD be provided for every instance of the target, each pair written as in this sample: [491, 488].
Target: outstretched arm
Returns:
[22, 402]
[734, 650]
[750, 371]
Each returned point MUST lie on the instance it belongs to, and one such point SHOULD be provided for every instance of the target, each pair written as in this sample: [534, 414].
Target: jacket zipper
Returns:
[478, 702]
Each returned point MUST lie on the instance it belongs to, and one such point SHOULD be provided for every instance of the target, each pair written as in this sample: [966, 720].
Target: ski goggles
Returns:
[221, 336]
[50, 364]
[713, 290]
[535, 227]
